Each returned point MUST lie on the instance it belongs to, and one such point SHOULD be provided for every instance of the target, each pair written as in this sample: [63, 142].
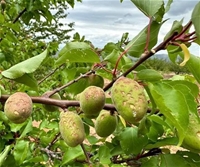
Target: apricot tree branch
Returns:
[144, 57]
[69, 83]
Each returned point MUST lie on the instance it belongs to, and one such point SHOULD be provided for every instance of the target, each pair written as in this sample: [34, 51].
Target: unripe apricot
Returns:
[92, 101]
[105, 124]
[71, 128]
[129, 99]
[18, 107]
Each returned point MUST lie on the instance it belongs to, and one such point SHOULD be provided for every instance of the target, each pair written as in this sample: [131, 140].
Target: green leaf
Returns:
[72, 153]
[21, 151]
[29, 80]
[137, 44]
[77, 52]
[149, 75]
[193, 65]
[130, 142]
[4, 154]
[195, 19]
[176, 27]
[27, 129]
[168, 5]
[173, 160]
[104, 155]
[172, 104]
[26, 67]
[148, 7]
[163, 142]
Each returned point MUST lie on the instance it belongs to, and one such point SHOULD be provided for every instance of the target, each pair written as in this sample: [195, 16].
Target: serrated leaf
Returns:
[149, 75]
[166, 97]
[77, 52]
[137, 44]
[21, 151]
[195, 19]
[104, 155]
[148, 7]
[26, 67]
[130, 142]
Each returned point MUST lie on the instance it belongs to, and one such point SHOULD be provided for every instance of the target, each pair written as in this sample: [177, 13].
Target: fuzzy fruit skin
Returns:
[18, 107]
[192, 138]
[129, 99]
[71, 128]
[105, 124]
[52, 108]
[92, 101]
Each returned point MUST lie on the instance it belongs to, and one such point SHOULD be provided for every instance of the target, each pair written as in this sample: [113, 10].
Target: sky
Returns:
[102, 21]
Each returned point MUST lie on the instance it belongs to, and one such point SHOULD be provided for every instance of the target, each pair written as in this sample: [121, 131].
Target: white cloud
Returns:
[106, 21]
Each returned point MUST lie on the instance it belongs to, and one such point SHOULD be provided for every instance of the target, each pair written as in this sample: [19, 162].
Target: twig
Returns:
[42, 80]
[70, 83]
[86, 154]
[53, 141]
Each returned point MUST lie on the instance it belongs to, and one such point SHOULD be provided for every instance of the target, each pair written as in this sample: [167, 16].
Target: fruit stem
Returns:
[86, 154]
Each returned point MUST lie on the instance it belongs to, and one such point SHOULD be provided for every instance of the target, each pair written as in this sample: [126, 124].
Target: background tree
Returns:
[59, 127]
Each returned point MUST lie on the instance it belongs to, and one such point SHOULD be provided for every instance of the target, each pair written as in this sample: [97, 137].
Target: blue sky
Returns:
[104, 21]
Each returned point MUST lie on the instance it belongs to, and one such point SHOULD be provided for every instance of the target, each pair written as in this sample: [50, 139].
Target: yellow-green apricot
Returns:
[105, 124]
[92, 101]
[71, 128]
[18, 107]
[129, 99]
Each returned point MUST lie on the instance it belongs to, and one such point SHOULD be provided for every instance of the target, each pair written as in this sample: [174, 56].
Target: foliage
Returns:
[30, 34]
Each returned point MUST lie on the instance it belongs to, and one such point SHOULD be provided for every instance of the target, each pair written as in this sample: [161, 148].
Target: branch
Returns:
[144, 57]
[42, 80]
[69, 83]
[59, 103]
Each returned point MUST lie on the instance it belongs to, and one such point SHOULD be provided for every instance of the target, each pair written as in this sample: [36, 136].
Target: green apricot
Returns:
[92, 101]
[192, 139]
[52, 108]
[129, 99]
[71, 128]
[96, 80]
[105, 124]
[18, 107]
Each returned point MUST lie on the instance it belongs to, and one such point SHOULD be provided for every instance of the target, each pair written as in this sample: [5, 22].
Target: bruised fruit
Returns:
[192, 138]
[105, 124]
[129, 99]
[71, 128]
[92, 101]
[18, 107]
[52, 108]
